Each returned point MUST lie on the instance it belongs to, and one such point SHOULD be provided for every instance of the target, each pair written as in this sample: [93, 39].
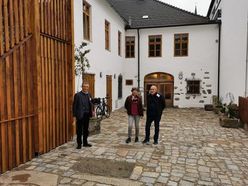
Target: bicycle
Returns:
[102, 108]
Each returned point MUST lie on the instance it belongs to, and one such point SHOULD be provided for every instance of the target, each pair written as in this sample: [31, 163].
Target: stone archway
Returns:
[165, 84]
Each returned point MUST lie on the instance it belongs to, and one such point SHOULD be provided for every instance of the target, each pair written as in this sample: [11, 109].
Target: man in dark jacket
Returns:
[134, 107]
[82, 110]
[155, 107]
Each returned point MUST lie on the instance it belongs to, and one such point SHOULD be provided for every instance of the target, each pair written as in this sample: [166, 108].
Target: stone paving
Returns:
[193, 150]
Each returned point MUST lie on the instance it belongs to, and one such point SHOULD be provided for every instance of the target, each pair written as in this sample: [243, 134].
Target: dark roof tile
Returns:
[160, 14]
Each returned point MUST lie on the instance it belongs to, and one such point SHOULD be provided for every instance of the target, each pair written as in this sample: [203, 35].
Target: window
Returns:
[107, 35]
[119, 43]
[130, 47]
[193, 86]
[181, 44]
[86, 19]
[129, 82]
[119, 86]
[155, 46]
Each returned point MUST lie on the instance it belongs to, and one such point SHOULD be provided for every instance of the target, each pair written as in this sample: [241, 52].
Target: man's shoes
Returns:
[146, 142]
[87, 145]
[79, 147]
[128, 140]
[155, 142]
[136, 139]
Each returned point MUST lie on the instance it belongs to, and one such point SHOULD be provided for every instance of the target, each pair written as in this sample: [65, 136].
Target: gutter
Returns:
[218, 90]
[138, 32]
[128, 27]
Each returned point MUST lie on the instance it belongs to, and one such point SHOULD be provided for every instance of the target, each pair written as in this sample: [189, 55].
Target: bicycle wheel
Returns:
[98, 112]
[107, 111]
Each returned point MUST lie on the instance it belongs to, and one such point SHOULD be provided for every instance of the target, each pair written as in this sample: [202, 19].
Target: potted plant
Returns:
[230, 116]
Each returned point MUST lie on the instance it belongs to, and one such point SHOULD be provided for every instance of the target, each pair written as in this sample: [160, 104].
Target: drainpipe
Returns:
[218, 91]
[138, 32]
[246, 65]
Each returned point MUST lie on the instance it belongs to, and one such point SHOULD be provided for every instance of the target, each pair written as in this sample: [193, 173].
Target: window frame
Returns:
[107, 34]
[128, 43]
[154, 44]
[86, 24]
[119, 43]
[129, 82]
[120, 86]
[194, 87]
[181, 42]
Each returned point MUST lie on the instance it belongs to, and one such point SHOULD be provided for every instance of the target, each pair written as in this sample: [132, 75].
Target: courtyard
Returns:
[193, 150]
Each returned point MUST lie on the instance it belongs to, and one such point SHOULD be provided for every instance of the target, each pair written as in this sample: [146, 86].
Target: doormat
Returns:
[104, 167]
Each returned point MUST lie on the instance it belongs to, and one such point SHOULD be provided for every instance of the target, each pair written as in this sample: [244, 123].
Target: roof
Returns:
[159, 14]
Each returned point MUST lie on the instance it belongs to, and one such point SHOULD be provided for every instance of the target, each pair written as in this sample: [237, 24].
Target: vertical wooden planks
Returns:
[21, 19]
[16, 107]
[16, 19]
[4, 150]
[41, 83]
[6, 26]
[1, 30]
[11, 20]
[23, 101]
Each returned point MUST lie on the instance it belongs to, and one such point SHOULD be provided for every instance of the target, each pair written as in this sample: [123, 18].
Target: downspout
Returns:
[138, 32]
[218, 91]
[246, 65]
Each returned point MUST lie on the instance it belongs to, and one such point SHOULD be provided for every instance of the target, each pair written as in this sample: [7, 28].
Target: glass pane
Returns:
[177, 46]
[158, 47]
[151, 39]
[185, 37]
[151, 53]
[158, 39]
[184, 46]
[158, 53]
[184, 52]
[152, 76]
[177, 52]
[177, 38]
[151, 47]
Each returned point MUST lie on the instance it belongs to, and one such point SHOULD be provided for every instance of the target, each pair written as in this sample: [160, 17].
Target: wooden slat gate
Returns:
[36, 78]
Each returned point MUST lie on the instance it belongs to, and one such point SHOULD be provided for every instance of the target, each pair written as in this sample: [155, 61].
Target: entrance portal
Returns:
[165, 84]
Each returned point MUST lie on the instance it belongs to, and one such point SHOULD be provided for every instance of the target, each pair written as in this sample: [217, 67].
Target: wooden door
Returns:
[166, 89]
[90, 78]
[109, 90]
[164, 82]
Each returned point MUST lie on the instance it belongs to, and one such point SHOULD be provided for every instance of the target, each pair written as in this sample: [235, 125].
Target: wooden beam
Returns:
[36, 53]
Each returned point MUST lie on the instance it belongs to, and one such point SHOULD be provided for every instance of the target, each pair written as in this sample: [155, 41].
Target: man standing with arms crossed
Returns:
[82, 110]
[155, 107]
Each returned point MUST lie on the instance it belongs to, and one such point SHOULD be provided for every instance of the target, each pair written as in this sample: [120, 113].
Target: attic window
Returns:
[145, 17]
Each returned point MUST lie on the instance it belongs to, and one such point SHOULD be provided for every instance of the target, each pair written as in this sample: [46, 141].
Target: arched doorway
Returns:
[165, 84]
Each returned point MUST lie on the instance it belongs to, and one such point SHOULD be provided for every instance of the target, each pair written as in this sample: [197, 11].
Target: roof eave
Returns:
[179, 25]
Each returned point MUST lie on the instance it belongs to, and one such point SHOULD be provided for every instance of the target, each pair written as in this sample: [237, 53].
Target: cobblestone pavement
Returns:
[193, 150]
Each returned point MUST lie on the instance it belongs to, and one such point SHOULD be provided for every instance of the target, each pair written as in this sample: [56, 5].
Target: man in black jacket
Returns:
[155, 107]
[82, 110]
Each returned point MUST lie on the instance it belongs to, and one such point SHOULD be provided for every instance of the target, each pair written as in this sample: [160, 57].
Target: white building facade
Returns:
[189, 80]
[234, 46]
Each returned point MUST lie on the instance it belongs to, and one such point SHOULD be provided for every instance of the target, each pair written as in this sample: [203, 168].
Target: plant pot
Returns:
[209, 107]
[94, 126]
[229, 122]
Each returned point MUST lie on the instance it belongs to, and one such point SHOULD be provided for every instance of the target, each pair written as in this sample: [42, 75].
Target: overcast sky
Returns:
[189, 5]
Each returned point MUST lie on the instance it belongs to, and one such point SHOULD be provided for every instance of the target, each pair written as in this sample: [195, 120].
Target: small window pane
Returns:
[129, 82]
